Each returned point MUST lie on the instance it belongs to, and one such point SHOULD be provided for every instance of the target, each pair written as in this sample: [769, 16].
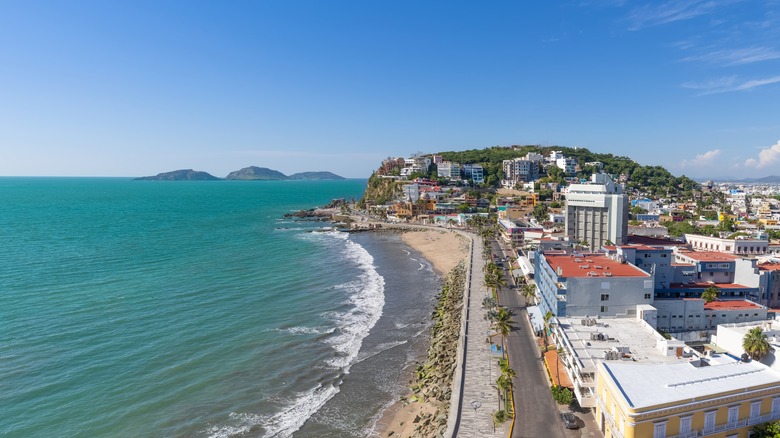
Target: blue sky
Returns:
[136, 88]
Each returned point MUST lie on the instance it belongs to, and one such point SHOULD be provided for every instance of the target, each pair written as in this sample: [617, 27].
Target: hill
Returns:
[180, 175]
[257, 174]
[315, 176]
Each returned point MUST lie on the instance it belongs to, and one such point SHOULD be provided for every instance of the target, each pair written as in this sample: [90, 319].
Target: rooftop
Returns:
[640, 339]
[591, 265]
[651, 385]
[709, 256]
[656, 241]
[704, 285]
[731, 305]
[769, 266]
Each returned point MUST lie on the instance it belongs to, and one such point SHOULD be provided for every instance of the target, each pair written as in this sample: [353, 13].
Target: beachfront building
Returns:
[716, 396]
[731, 246]
[585, 342]
[594, 284]
[513, 233]
[474, 172]
[597, 213]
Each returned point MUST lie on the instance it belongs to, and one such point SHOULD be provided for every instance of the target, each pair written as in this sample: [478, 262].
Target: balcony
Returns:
[729, 426]
[614, 431]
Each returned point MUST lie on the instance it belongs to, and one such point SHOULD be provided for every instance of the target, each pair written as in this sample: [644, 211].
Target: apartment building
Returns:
[475, 172]
[520, 170]
[449, 170]
[597, 213]
[577, 284]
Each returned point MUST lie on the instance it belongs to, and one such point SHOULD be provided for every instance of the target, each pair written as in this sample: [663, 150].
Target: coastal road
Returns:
[537, 414]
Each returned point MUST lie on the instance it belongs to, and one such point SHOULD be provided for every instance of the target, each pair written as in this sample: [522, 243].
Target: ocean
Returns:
[178, 309]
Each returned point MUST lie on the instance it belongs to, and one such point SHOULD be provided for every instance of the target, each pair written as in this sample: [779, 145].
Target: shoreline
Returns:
[444, 250]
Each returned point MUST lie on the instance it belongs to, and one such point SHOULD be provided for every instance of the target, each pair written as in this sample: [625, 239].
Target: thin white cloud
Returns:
[728, 84]
[701, 160]
[654, 14]
[737, 56]
[766, 157]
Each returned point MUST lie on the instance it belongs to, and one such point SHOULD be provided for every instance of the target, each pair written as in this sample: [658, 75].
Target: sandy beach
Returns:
[444, 250]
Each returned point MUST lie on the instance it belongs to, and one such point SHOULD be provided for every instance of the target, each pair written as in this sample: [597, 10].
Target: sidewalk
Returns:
[480, 396]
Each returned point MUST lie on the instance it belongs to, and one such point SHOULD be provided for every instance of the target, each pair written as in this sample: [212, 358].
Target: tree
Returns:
[503, 384]
[767, 430]
[755, 343]
[561, 395]
[503, 325]
[710, 294]
[529, 292]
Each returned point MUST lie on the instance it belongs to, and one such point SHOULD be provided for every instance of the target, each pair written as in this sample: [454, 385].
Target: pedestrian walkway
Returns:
[479, 396]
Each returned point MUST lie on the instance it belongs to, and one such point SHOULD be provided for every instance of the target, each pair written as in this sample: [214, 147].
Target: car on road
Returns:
[569, 420]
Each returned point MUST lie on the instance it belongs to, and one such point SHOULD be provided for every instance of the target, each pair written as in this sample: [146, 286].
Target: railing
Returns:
[614, 431]
[729, 426]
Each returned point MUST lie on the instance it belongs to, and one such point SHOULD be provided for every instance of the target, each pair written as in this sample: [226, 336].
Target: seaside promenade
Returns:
[473, 413]
[474, 394]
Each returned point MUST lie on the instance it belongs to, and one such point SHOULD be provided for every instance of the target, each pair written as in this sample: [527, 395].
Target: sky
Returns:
[110, 88]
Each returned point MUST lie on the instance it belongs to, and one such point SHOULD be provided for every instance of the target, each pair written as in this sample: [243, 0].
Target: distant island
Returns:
[251, 173]
[180, 175]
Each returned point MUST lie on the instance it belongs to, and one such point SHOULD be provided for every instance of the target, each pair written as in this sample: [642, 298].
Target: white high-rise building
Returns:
[597, 212]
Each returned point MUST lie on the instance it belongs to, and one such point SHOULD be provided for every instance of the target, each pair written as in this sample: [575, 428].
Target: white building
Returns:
[568, 165]
[475, 172]
[449, 170]
[731, 246]
[597, 212]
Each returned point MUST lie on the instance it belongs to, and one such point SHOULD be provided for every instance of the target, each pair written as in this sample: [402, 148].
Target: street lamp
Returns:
[475, 405]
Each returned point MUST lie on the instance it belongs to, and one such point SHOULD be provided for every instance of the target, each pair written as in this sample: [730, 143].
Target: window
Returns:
[659, 430]
[604, 297]
[776, 406]
[647, 297]
[663, 255]
[712, 274]
[685, 424]
[709, 421]
[755, 409]
[604, 309]
[733, 414]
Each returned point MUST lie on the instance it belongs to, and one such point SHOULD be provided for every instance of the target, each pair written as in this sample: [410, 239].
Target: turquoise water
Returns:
[135, 308]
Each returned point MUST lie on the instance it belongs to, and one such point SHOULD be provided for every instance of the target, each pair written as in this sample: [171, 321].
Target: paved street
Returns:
[537, 414]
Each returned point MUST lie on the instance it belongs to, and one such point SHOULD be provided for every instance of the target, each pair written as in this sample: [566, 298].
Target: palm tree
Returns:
[756, 344]
[503, 325]
[529, 292]
[503, 384]
[561, 355]
[710, 294]
[547, 317]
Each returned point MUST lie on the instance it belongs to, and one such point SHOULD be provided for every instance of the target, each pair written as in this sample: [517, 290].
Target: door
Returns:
[709, 420]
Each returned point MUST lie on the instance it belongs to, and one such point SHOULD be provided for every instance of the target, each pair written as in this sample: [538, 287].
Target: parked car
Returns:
[570, 420]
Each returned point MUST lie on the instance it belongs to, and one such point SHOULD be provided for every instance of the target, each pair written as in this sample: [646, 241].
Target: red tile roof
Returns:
[731, 305]
[709, 256]
[769, 266]
[705, 285]
[583, 265]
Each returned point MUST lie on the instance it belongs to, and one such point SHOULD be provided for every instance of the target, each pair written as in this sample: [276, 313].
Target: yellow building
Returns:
[720, 397]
